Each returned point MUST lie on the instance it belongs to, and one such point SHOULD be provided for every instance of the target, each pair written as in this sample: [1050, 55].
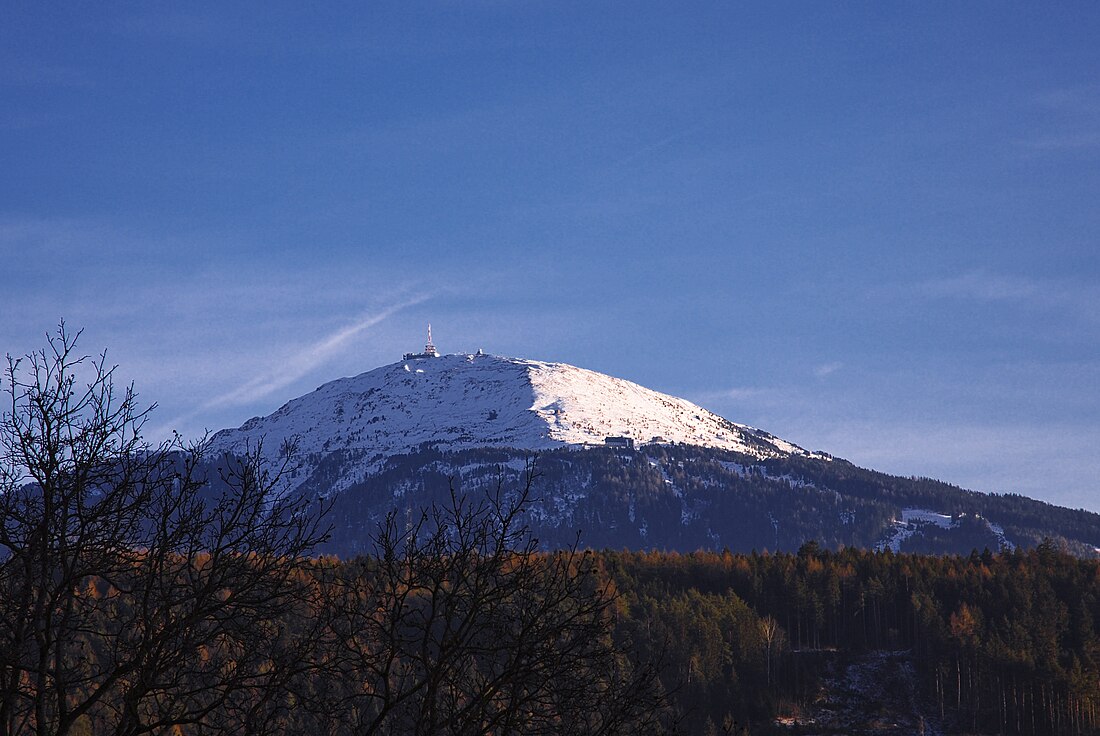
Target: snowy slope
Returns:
[400, 435]
[464, 401]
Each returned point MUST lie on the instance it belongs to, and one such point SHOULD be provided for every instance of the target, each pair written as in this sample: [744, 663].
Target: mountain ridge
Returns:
[622, 464]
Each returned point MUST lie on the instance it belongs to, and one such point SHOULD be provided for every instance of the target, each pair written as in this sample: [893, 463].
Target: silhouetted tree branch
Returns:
[458, 625]
[140, 595]
[134, 598]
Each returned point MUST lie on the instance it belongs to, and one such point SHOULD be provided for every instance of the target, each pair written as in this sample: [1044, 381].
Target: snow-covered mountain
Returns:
[464, 401]
[404, 435]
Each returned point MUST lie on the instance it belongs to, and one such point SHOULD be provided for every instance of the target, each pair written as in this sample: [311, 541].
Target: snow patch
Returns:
[912, 520]
[999, 531]
[909, 524]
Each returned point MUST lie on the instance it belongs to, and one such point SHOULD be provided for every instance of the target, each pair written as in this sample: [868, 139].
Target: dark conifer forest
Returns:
[1000, 643]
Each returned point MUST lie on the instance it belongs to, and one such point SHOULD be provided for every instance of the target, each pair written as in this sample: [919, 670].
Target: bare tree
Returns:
[138, 595]
[458, 625]
[134, 597]
[772, 636]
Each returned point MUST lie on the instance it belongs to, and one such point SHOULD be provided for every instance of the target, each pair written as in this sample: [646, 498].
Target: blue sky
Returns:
[870, 228]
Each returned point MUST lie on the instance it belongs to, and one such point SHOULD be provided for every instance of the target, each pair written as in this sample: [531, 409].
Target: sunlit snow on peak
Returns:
[464, 401]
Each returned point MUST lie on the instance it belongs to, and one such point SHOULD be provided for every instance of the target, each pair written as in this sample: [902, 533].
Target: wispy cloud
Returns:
[293, 367]
[655, 146]
[185, 26]
[826, 369]
[728, 394]
[45, 75]
[1082, 299]
[1046, 452]
[1075, 141]
[1040, 460]
[1082, 98]
[982, 286]
[288, 368]
[1071, 120]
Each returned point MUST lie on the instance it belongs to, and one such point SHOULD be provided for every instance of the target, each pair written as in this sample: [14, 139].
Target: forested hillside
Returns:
[1000, 643]
[686, 498]
[702, 643]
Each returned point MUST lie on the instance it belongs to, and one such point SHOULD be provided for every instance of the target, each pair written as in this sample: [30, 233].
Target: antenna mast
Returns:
[429, 349]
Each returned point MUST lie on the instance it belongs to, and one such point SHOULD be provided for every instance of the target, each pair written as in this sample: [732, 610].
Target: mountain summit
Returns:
[464, 401]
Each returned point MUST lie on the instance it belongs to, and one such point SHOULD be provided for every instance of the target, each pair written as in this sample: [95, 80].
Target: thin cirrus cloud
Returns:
[1075, 99]
[1079, 141]
[728, 394]
[45, 75]
[292, 367]
[1071, 120]
[1079, 298]
[979, 456]
[983, 286]
[296, 366]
